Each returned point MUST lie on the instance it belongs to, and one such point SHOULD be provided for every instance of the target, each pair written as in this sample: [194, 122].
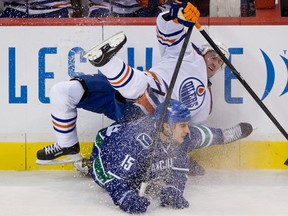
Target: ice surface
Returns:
[219, 192]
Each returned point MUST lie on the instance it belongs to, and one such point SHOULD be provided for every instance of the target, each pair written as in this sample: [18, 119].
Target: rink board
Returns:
[51, 50]
[237, 155]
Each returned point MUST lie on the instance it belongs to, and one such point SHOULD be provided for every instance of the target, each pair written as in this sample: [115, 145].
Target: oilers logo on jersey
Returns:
[192, 93]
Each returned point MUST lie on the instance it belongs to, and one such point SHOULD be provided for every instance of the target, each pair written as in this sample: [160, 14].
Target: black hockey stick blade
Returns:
[286, 162]
[242, 81]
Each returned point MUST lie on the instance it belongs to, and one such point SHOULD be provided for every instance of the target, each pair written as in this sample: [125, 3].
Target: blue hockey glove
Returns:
[171, 196]
[133, 203]
[184, 12]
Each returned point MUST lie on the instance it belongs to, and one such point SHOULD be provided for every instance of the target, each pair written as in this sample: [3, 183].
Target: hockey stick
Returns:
[242, 81]
[166, 104]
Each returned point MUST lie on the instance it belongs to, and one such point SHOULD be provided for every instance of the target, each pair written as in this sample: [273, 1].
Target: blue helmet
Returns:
[176, 112]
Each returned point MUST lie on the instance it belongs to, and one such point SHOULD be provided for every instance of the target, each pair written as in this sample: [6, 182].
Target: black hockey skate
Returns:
[102, 53]
[237, 132]
[54, 154]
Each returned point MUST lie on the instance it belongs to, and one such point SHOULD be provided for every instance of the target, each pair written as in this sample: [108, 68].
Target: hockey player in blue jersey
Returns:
[123, 93]
[122, 156]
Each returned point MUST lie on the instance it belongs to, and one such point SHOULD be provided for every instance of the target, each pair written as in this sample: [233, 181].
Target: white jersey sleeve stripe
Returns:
[171, 39]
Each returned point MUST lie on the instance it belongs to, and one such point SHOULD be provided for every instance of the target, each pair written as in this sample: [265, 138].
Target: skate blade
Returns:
[67, 159]
[113, 41]
[81, 167]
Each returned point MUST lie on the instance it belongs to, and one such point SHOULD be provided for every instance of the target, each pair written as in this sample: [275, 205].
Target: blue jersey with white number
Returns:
[122, 153]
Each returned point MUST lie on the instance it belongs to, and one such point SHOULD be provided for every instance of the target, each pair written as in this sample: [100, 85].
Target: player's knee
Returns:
[59, 94]
[59, 90]
[68, 93]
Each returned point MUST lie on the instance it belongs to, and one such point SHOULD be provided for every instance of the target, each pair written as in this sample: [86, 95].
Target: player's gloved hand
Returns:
[133, 203]
[171, 196]
[184, 12]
